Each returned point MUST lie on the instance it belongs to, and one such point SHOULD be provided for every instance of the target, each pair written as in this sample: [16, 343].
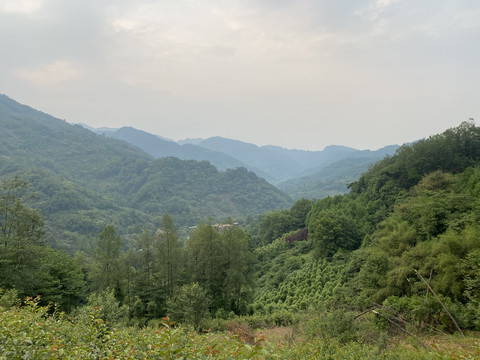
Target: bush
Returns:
[332, 323]
[8, 298]
[189, 305]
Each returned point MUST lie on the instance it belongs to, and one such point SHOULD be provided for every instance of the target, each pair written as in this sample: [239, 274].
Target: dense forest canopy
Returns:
[417, 210]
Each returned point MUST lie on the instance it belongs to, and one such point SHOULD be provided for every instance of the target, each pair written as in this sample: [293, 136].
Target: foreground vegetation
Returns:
[34, 332]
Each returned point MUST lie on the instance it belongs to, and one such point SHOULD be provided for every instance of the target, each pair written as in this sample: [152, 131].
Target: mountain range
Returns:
[299, 173]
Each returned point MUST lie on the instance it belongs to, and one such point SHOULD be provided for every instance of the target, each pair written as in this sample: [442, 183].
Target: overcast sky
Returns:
[300, 74]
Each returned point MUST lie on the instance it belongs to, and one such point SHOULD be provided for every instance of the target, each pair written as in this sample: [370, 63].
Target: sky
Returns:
[300, 74]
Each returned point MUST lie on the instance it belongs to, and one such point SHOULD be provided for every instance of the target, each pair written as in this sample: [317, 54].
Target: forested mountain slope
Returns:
[97, 178]
[413, 216]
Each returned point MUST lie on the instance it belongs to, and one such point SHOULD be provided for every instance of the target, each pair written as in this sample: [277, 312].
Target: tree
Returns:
[19, 225]
[24, 263]
[21, 228]
[299, 212]
[274, 224]
[205, 261]
[105, 272]
[189, 305]
[332, 231]
[149, 294]
[238, 263]
[220, 260]
[168, 254]
[61, 279]
[147, 259]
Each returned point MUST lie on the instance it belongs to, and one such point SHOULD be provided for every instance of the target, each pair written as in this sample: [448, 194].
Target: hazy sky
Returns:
[299, 74]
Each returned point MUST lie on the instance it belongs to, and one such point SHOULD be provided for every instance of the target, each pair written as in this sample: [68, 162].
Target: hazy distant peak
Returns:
[337, 148]
[191, 141]
[388, 148]
[221, 141]
[132, 130]
[97, 130]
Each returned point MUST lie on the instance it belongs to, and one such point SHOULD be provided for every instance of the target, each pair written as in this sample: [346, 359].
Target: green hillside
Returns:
[413, 216]
[85, 180]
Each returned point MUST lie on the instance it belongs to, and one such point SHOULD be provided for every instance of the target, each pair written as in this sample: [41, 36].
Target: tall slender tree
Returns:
[168, 254]
[237, 266]
[21, 228]
[205, 261]
[105, 271]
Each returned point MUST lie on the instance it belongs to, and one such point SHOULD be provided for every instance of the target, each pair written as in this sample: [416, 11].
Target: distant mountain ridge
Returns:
[160, 147]
[274, 163]
[300, 173]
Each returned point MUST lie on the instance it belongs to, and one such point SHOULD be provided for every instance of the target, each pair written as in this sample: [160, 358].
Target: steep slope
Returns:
[411, 217]
[92, 165]
[38, 140]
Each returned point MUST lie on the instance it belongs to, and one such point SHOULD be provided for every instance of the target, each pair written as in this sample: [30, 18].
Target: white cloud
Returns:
[20, 6]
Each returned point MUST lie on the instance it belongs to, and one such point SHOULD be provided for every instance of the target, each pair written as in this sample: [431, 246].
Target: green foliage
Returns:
[106, 307]
[31, 333]
[290, 278]
[452, 151]
[416, 212]
[20, 226]
[27, 266]
[424, 220]
[332, 323]
[299, 212]
[220, 260]
[61, 279]
[105, 269]
[470, 268]
[169, 255]
[332, 179]
[332, 231]
[189, 305]
[8, 298]
[422, 311]
[237, 264]
[274, 224]
[434, 231]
